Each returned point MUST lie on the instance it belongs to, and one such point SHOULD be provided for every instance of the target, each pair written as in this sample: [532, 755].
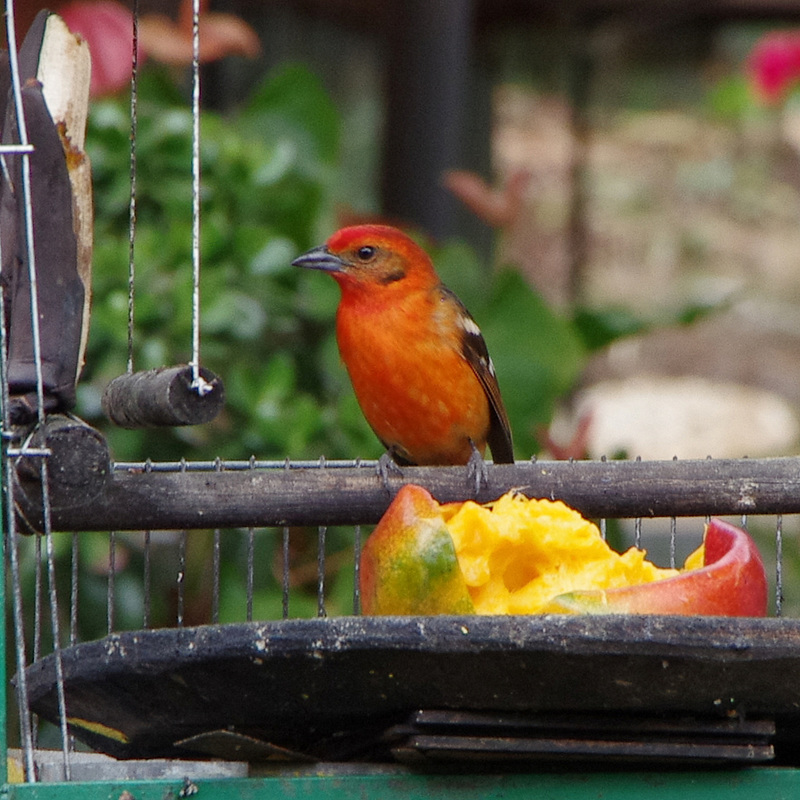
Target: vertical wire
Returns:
[779, 565]
[12, 552]
[603, 521]
[286, 563]
[54, 622]
[216, 562]
[673, 535]
[673, 539]
[251, 542]
[285, 572]
[132, 200]
[181, 567]
[251, 547]
[37, 597]
[111, 581]
[147, 577]
[73, 597]
[198, 384]
[637, 525]
[357, 564]
[357, 570]
[147, 581]
[215, 567]
[181, 577]
[73, 602]
[37, 355]
[321, 535]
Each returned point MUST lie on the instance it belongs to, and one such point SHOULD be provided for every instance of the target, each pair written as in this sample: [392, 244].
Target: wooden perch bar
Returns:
[139, 499]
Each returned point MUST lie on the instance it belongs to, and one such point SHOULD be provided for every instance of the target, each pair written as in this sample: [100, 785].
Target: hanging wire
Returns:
[147, 580]
[216, 563]
[673, 540]
[357, 564]
[285, 572]
[251, 561]
[132, 201]
[779, 565]
[322, 532]
[38, 593]
[321, 535]
[26, 198]
[181, 577]
[111, 585]
[286, 560]
[12, 556]
[147, 577]
[357, 569]
[73, 593]
[198, 384]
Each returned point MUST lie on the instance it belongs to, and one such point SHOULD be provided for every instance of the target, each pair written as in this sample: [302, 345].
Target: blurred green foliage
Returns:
[269, 175]
[268, 178]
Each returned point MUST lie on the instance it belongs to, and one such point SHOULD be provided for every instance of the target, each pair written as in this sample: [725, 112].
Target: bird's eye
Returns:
[366, 252]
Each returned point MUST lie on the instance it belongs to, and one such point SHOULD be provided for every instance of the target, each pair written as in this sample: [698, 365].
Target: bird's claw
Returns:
[477, 471]
[386, 467]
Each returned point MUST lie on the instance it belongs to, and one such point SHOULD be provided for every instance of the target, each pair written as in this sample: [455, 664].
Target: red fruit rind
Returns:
[732, 583]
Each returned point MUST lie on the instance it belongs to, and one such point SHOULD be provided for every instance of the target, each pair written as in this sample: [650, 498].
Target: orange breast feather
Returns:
[416, 390]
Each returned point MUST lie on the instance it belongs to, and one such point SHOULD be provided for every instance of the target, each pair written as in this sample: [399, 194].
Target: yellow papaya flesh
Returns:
[521, 556]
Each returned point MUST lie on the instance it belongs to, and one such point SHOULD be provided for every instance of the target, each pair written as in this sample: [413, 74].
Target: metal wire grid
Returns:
[672, 540]
[676, 537]
[48, 556]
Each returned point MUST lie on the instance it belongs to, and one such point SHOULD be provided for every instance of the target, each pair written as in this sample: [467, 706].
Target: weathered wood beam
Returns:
[139, 499]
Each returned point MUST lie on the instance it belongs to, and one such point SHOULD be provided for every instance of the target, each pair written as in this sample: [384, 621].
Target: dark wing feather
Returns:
[476, 353]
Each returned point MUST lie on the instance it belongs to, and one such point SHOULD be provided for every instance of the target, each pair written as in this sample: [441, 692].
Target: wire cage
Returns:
[191, 685]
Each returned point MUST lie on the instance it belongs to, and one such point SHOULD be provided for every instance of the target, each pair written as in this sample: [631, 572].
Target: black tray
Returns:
[333, 688]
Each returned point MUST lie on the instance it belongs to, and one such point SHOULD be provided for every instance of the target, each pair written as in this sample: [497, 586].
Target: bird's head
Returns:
[371, 255]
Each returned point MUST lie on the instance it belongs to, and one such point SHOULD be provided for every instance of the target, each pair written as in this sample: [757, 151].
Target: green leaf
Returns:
[537, 353]
[293, 102]
[600, 327]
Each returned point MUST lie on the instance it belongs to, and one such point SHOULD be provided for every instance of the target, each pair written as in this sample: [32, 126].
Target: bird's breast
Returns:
[416, 390]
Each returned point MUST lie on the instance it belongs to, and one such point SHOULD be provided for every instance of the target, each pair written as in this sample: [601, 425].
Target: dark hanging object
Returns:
[61, 214]
[163, 397]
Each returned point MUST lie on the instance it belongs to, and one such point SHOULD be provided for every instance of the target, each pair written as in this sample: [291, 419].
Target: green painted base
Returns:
[767, 783]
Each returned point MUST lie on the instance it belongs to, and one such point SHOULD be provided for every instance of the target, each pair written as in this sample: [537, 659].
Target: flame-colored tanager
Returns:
[416, 358]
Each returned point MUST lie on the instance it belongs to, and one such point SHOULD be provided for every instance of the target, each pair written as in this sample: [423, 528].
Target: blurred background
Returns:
[612, 188]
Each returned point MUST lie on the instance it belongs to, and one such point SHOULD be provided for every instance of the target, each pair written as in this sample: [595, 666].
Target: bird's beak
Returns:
[320, 258]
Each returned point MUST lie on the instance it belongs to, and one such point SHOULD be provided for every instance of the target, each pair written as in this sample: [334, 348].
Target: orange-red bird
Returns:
[417, 360]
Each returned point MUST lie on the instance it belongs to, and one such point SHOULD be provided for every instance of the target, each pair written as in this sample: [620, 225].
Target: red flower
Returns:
[774, 64]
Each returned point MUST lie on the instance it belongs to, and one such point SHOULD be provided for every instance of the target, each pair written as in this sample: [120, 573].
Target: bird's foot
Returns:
[477, 470]
[386, 467]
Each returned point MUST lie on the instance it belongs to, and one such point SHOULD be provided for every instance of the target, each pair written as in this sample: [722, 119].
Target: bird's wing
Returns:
[474, 350]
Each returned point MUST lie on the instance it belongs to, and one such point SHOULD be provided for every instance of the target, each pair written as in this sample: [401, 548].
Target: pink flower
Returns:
[107, 26]
[774, 64]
